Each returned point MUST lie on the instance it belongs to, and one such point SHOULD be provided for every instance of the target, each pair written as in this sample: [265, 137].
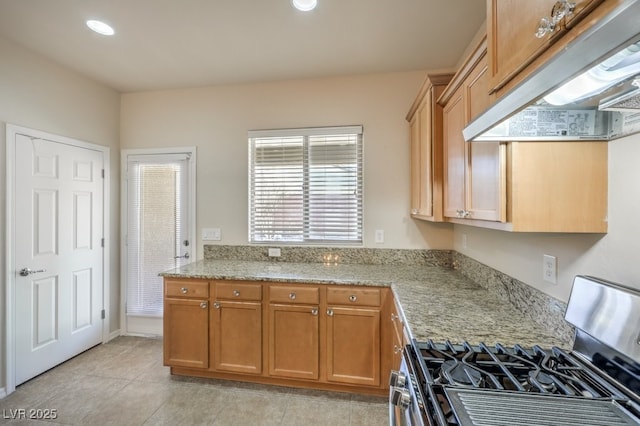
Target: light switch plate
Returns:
[210, 234]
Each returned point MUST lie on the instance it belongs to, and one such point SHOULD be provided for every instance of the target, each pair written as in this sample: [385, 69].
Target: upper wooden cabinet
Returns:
[425, 118]
[511, 30]
[474, 180]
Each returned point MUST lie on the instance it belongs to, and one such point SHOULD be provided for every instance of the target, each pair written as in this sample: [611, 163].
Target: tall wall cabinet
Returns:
[425, 120]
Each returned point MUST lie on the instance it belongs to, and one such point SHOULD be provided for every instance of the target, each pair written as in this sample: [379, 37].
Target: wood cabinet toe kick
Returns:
[328, 337]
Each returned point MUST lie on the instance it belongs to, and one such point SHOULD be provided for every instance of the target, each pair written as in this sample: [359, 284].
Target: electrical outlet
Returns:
[274, 252]
[549, 269]
[379, 236]
[210, 234]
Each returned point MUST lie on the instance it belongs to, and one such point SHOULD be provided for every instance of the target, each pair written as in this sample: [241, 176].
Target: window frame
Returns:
[356, 208]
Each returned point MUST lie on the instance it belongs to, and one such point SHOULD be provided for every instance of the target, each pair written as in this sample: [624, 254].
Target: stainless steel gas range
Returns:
[595, 383]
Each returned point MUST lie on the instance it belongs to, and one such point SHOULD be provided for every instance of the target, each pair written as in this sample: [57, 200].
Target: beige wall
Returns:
[216, 121]
[614, 256]
[37, 94]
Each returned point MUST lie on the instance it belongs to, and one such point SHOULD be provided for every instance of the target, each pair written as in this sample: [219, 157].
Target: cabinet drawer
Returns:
[186, 288]
[294, 294]
[238, 291]
[353, 296]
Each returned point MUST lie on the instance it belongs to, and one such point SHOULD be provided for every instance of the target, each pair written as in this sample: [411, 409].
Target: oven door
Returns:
[405, 403]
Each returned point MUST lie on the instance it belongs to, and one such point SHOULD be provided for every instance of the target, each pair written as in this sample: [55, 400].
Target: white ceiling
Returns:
[188, 43]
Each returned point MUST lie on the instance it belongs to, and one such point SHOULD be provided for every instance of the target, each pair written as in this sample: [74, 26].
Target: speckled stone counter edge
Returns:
[540, 307]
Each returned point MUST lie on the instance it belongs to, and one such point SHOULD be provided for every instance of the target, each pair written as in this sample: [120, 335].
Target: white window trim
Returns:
[304, 132]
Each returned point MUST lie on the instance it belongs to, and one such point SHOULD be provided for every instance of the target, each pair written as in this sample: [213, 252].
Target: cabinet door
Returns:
[397, 339]
[485, 179]
[294, 341]
[415, 165]
[511, 30]
[353, 345]
[422, 159]
[186, 333]
[236, 336]
[454, 155]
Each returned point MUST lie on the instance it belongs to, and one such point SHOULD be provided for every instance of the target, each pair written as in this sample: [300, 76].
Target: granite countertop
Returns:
[437, 303]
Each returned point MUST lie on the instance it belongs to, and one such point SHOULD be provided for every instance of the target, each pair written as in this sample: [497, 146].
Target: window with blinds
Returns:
[305, 185]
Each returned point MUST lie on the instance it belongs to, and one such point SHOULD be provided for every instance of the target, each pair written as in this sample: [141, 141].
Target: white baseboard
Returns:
[3, 393]
[114, 334]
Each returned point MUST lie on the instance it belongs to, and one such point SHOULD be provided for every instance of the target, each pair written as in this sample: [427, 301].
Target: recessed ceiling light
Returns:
[304, 5]
[100, 27]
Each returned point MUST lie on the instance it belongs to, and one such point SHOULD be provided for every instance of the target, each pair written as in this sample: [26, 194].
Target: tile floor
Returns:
[124, 383]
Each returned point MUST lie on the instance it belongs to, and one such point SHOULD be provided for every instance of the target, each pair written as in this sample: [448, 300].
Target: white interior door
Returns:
[58, 261]
[158, 217]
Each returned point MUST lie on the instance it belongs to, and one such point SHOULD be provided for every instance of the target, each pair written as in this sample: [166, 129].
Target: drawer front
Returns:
[186, 288]
[353, 296]
[238, 291]
[294, 294]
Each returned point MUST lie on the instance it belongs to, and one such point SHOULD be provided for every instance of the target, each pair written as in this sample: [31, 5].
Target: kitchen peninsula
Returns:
[311, 324]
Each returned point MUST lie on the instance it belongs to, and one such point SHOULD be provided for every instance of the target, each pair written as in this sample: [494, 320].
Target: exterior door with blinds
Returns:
[159, 232]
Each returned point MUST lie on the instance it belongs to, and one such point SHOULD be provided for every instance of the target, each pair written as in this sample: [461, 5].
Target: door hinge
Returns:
[102, 242]
[102, 173]
[103, 314]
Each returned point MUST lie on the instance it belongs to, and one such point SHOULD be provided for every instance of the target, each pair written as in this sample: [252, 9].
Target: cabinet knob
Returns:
[236, 293]
[330, 312]
[292, 296]
[203, 305]
[314, 312]
[548, 25]
[216, 305]
[396, 349]
[545, 26]
[353, 298]
[184, 290]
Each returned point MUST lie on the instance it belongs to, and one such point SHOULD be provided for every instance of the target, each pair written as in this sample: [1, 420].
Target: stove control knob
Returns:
[400, 397]
[397, 379]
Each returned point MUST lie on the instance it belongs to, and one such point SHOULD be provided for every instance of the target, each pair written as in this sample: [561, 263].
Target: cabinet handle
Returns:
[292, 296]
[216, 305]
[314, 312]
[184, 290]
[549, 24]
[203, 305]
[236, 293]
[353, 298]
[330, 312]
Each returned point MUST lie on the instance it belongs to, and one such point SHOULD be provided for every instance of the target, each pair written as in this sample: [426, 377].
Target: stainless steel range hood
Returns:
[523, 113]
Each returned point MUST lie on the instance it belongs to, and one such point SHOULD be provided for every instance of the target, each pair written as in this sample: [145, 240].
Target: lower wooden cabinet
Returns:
[294, 350]
[317, 336]
[236, 336]
[353, 345]
[186, 333]
[236, 327]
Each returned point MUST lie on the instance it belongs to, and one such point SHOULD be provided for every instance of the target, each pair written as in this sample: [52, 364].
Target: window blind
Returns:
[306, 185]
[155, 227]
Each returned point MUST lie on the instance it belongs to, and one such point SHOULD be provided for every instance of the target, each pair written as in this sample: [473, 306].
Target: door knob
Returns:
[25, 272]
[184, 256]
